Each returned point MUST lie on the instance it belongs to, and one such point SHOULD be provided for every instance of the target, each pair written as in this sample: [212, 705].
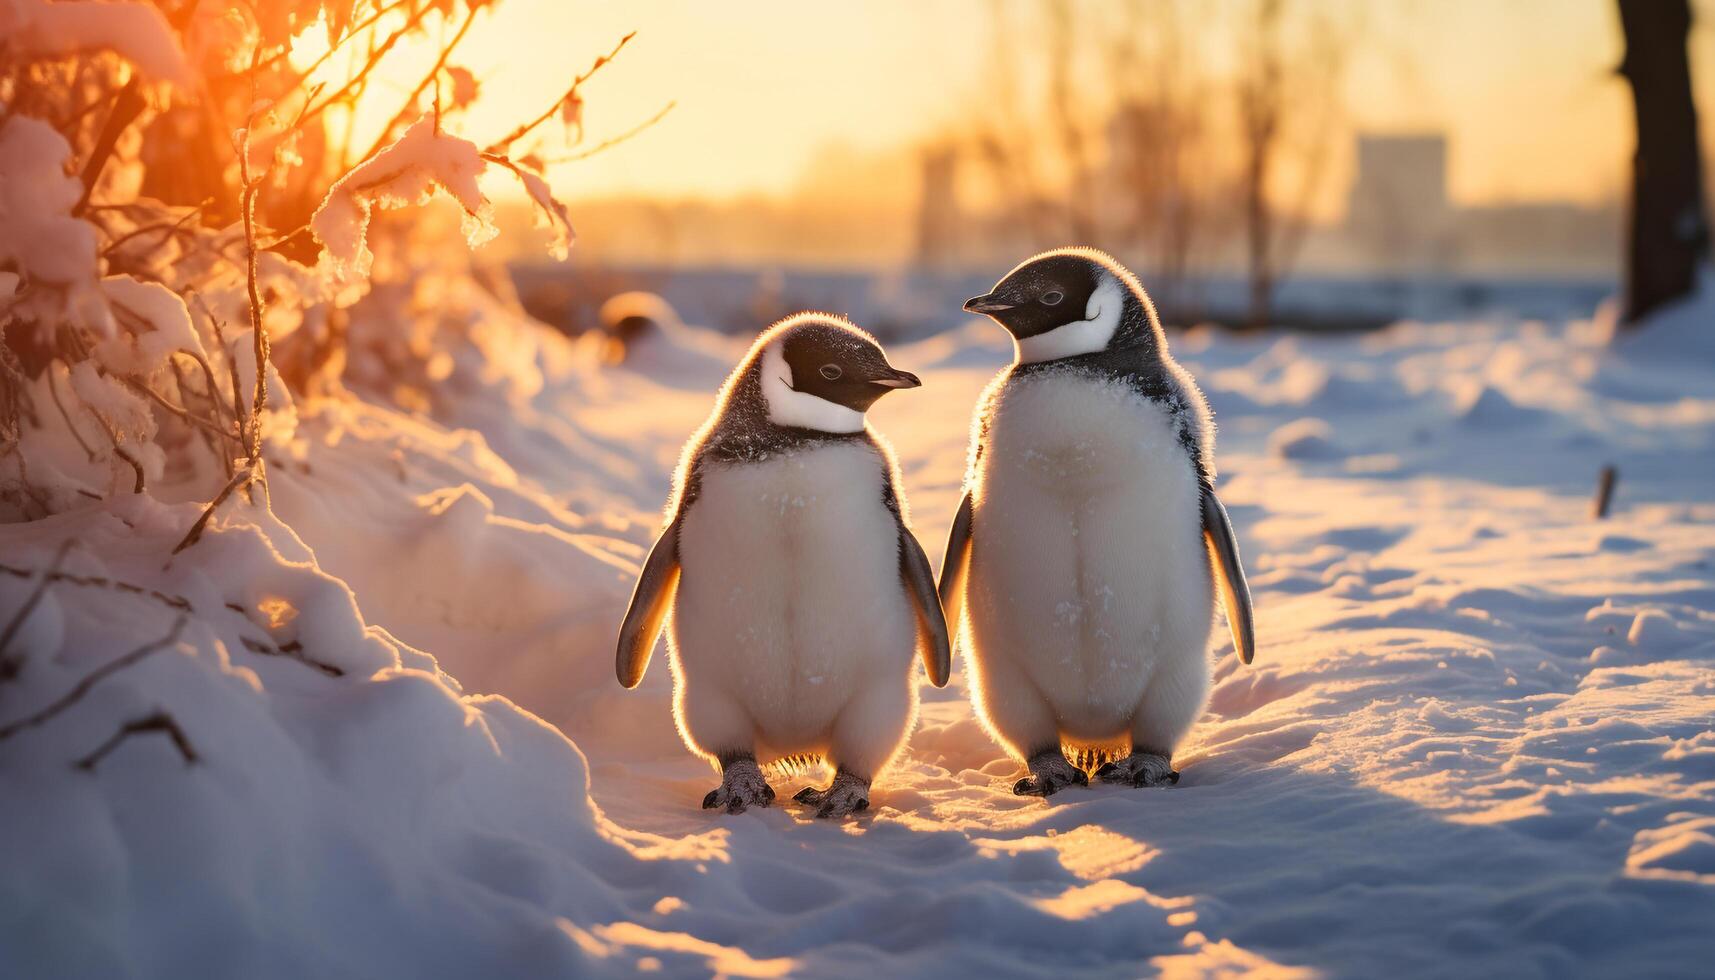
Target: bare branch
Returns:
[361, 77]
[614, 141]
[159, 721]
[8, 666]
[294, 651]
[500, 145]
[127, 105]
[400, 117]
[177, 602]
[83, 687]
[167, 229]
[54, 393]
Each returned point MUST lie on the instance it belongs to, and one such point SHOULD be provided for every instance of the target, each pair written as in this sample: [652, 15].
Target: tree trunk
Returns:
[1668, 230]
[1259, 229]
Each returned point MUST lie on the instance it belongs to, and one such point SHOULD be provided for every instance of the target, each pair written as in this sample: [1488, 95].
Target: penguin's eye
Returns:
[832, 372]
[1053, 297]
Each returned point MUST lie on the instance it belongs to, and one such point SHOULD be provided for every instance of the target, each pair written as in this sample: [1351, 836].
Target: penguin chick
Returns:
[627, 318]
[1089, 544]
[797, 589]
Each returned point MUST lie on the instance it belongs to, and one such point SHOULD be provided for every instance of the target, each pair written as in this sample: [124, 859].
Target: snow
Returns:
[408, 171]
[162, 312]
[36, 198]
[1476, 738]
[137, 32]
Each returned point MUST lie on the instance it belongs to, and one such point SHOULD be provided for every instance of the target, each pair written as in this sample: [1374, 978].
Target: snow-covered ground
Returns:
[1477, 738]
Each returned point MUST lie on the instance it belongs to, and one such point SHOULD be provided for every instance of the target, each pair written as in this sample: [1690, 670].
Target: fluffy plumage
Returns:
[1088, 600]
[796, 589]
[1080, 558]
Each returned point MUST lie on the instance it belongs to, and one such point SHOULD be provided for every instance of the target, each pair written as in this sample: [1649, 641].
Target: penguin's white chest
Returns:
[1088, 566]
[791, 598]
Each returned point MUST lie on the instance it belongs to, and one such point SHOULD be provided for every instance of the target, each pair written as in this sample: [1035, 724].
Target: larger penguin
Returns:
[796, 587]
[1089, 545]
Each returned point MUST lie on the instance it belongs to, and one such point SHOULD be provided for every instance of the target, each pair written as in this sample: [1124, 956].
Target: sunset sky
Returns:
[764, 91]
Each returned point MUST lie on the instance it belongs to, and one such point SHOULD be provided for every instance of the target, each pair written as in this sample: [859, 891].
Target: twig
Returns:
[231, 363]
[374, 58]
[169, 229]
[241, 477]
[1605, 483]
[612, 142]
[54, 393]
[169, 600]
[138, 483]
[8, 666]
[422, 86]
[292, 651]
[339, 43]
[89, 681]
[519, 133]
[183, 413]
[160, 721]
[183, 383]
[127, 105]
[253, 441]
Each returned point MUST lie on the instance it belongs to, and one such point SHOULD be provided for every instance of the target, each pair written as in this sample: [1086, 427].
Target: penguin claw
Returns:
[742, 787]
[847, 794]
[1139, 769]
[1050, 773]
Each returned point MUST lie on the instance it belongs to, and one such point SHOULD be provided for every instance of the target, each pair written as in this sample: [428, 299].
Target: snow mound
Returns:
[1676, 333]
[1487, 408]
[1426, 770]
[338, 806]
[1304, 439]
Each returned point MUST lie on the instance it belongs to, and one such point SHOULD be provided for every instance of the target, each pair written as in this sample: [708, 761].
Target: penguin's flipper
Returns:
[1229, 573]
[932, 636]
[650, 601]
[956, 563]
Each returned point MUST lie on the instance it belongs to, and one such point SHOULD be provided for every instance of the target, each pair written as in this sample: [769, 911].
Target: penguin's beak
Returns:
[985, 303]
[897, 379]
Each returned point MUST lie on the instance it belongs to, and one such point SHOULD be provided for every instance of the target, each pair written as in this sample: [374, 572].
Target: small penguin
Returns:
[627, 318]
[798, 592]
[1089, 544]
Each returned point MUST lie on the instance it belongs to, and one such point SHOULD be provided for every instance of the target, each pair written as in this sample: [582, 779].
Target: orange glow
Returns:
[766, 94]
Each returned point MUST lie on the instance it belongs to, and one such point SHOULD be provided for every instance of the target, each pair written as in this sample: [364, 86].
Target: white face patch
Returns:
[797, 408]
[1091, 334]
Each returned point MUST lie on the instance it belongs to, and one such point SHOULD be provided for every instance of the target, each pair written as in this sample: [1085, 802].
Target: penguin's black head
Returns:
[1059, 304]
[820, 372]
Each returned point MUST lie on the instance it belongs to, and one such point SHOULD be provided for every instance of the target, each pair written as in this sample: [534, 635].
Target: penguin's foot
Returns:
[1139, 769]
[847, 794]
[1049, 774]
[742, 787]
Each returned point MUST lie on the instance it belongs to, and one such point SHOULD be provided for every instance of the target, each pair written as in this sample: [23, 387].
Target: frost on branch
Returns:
[137, 32]
[550, 213]
[148, 305]
[38, 235]
[410, 171]
[407, 172]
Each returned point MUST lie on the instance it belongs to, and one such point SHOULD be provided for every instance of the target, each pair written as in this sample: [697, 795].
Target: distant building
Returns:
[1397, 211]
[1400, 220]
[938, 217]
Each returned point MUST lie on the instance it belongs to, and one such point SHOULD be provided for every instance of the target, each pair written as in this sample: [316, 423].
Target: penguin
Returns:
[627, 318]
[797, 589]
[1084, 558]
